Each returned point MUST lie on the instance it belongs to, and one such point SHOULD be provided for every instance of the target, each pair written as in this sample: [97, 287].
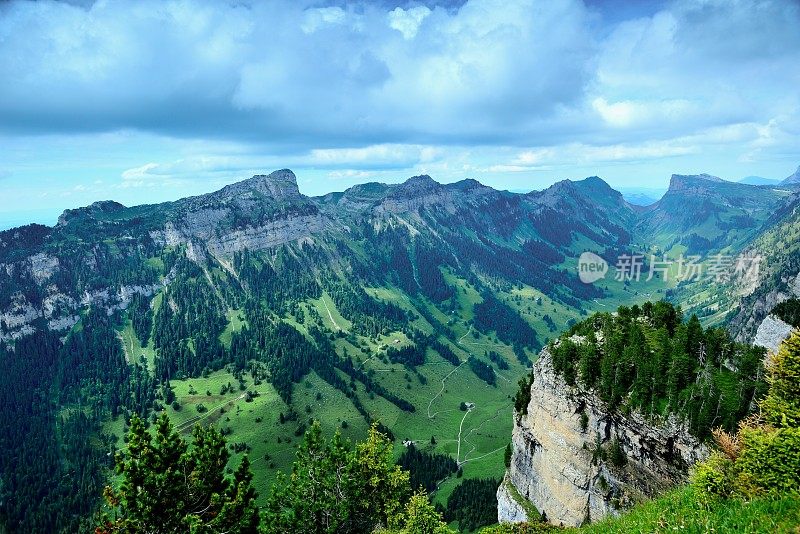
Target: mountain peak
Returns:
[278, 184]
[596, 185]
[684, 181]
[468, 184]
[96, 208]
[416, 186]
[422, 180]
[793, 179]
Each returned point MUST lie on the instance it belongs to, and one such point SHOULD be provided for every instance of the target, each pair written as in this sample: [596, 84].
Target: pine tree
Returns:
[781, 406]
[169, 487]
[419, 517]
[335, 487]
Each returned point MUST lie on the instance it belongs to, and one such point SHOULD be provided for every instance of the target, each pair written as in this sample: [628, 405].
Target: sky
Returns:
[151, 100]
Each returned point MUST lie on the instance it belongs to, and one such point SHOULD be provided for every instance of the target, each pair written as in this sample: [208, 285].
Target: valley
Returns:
[417, 307]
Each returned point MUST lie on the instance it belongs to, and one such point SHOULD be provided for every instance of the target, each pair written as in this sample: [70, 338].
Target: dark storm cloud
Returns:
[346, 74]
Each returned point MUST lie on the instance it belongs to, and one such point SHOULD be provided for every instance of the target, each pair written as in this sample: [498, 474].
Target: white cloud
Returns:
[137, 173]
[374, 156]
[627, 113]
[365, 89]
[407, 21]
[324, 16]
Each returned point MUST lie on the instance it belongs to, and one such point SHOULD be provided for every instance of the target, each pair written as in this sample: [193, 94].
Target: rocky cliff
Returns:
[562, 462]
[771, 333]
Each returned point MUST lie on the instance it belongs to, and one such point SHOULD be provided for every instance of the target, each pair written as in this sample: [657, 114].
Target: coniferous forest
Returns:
[492, 300]
[419, 331]
[650, 358]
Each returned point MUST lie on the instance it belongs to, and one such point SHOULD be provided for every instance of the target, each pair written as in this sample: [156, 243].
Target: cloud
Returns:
[207, 90]
[299, 75]
[407, 21]
[290, 73]
[383, 156]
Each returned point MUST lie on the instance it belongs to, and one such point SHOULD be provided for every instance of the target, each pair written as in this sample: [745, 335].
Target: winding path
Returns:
[330, 315]
[477, 428]
[431, 416]
[460, 427]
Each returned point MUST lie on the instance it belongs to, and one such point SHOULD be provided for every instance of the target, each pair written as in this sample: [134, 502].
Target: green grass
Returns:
[331, 317]
[236, 321]
[679, 511]
[477, 438]
[133, 347]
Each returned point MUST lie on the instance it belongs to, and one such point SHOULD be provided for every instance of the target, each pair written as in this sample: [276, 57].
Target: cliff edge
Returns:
[575, 462]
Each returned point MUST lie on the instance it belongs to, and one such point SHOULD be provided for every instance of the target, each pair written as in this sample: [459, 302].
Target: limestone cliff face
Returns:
[555, 465]
[755, 309]
[771, 333]
[262, 212]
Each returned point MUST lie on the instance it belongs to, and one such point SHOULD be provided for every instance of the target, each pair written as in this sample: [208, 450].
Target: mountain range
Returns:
[261, 308]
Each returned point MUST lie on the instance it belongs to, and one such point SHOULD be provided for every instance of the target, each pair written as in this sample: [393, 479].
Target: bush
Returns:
[764, 456]
[713, 478]
[520, 528]
[770, 460]
[616, 454]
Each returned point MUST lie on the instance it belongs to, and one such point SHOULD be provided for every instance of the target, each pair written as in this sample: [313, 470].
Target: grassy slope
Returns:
[484, 431]
[679, 511]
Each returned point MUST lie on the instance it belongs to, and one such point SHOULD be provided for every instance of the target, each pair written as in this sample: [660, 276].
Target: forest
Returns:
[649, 358]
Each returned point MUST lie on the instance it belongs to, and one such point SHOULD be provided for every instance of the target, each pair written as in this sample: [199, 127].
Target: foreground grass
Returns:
[680, 511]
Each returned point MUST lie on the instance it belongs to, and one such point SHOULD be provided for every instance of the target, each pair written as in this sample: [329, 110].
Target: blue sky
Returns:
[154, 100]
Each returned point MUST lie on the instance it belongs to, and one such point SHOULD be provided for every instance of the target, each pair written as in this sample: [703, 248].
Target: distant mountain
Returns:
[793, 179]
[758, 180]
[642, 196]
[778, 246]
[370, 298]
[704, 212]
[639, 199]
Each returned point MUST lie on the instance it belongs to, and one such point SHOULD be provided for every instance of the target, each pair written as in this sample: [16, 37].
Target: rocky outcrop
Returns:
[556, 463]
[262, 212]
[280, 231]
[755, 308]
[771, 333]
[510, 505]
[59, 310]
[98, 209]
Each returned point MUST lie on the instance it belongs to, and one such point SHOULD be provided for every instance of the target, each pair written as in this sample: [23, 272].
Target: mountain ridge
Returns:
[371, 297]
[792, 179]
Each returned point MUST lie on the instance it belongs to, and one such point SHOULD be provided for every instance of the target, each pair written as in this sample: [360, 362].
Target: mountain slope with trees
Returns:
[258, 308]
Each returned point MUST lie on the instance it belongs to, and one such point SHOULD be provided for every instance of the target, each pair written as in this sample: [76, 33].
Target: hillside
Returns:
[704, 213]
[414, 305]
[678, 510]
[259, 309]
[747, 479]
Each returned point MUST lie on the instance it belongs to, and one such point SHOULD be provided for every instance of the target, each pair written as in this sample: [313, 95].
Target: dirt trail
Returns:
[330, 315]
[196, 419]
[431, 416]
[460, 428]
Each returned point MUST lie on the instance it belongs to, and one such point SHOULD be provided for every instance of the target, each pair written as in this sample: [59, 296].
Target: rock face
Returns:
[755, 309]
[771, 332]
[554, 463]
[510, 509]
[793, 179]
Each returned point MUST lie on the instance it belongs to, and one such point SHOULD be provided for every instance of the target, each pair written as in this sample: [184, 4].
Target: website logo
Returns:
[591, 268]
